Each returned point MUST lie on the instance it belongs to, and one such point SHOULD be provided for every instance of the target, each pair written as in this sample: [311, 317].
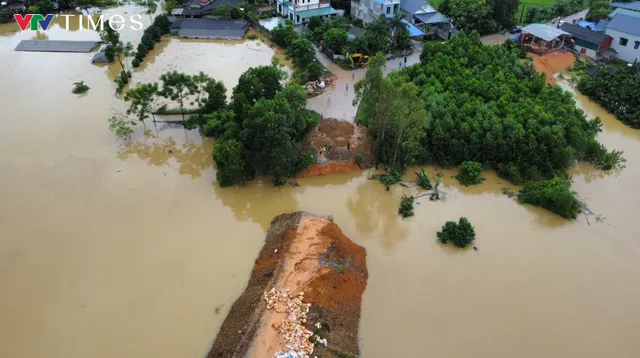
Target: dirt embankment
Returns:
[344, 142]
[303, 296]
[553, 63]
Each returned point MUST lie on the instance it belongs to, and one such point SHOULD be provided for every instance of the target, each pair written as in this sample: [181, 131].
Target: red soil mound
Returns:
[329, 168]
[553, 63]
[309, 256]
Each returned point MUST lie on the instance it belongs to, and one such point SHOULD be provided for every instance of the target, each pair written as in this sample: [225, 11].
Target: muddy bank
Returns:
[330, 168]
[307, 283]
[553, 63]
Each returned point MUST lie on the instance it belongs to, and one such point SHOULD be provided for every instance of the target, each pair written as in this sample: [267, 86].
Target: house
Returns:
[418, 13]
[369, 10]
[625, 31]
[300, 11]
[209, 29]
[587, 42]
[543, 38]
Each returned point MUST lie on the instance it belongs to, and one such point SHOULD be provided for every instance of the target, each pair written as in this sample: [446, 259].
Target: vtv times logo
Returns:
[117, 22]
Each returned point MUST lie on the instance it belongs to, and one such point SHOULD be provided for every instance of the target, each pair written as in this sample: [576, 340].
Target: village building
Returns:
[300, 11]
[589, 43]
[209, 29]
[201, 8]
[14, 5]
[625, 31]
[543, 39]
[421, 17]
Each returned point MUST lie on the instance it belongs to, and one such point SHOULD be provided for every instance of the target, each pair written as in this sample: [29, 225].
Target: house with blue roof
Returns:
[300, 11]
[420, 17]
[625, 31]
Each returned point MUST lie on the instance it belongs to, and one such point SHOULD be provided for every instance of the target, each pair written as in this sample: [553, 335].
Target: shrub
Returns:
[406, 206]
[79, 87]
[360, 159]
[461, 233]
[423, 180]
[554, 195]
[305, 159]
[390, 178]
[121, 127]
[252, 37]
[469, 173]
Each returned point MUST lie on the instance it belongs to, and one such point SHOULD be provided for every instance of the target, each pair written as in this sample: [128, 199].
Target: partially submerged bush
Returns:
[406, 206]
[390, 178]
[554, 195]
[423, 180]
[79, 87]
[461, 233]
[252, 37]
[121, 127]
[469, 173]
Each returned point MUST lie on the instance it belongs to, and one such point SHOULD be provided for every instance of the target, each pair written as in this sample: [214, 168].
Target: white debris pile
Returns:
[296, 337]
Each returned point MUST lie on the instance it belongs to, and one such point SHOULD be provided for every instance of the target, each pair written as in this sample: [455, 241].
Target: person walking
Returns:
[347, 87]
[400, 65]
[348, 145]
[405, 61]
[329, 97]
[353, 75]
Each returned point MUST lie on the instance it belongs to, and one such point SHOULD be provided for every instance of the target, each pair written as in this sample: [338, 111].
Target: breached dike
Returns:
[303, 297]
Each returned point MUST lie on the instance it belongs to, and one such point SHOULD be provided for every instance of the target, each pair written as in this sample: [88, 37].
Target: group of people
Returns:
[327, 148]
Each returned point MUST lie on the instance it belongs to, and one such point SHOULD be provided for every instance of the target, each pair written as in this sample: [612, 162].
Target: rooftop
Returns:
[431, 18]
[412, 6]
[625, 23]
[545, 32]
[583, 34]
[56, 46]
[634, 5]
[624, 12]
[322, 11]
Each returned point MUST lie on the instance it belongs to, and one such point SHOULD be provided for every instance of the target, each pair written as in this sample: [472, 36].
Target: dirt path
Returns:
[320, 273]
[337, 101]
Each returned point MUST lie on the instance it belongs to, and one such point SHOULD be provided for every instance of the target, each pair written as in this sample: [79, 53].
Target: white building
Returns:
[300, 11]
[625, 31]
[369, 10]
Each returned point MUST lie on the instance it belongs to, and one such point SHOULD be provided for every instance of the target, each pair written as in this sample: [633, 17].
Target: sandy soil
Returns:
[302, 253]
[553, 63]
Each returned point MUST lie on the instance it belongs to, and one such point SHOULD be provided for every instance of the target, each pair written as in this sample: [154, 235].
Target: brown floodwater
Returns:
[117, 249]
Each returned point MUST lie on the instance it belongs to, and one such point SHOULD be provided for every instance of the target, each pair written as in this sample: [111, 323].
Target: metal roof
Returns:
[412, 6]
[210, 24]
[625, 23]
[583, 34]
[602, 25]
[212, 34]
[322, 11]
[413, 31]
[56, 46]
[624, 12]
[431, 18]
[635, 5]
[545, 32]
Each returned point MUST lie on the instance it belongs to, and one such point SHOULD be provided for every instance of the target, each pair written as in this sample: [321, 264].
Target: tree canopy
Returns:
[479, 103]
[618, 90]
[460, 234]
[554, 195]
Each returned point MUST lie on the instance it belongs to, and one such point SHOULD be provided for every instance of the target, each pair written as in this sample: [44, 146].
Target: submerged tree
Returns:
[177, 87]
[469, 173]
[554, 195]
[406, 206]
[79, 87]
[121, 127]
[460, 234]
[142, 99]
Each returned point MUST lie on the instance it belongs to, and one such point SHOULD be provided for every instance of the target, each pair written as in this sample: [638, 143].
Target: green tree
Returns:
[554, 195]
[336, 40]
[302, 52]
[460, 234]
[142, 99]
[618, 90]
[503, 11]
[469, 173]
[170, 5]
[230, 159]
[283, 36]
[470, 15]
[314, 22]
[79, 87]
[254, 84]
[177, 87]
[376, 36]
[121, 127]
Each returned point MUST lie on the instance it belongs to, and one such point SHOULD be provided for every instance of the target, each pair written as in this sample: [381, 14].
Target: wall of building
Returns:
[588, 52]
[625, 53]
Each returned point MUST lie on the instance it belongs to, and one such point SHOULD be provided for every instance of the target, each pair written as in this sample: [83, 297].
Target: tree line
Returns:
[617, 90]
[300, 50]
[470, 102]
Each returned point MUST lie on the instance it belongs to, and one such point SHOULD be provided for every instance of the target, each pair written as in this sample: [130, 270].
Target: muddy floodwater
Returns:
[109, 249]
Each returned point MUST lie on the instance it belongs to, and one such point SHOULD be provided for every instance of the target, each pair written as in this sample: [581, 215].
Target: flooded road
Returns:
[110, 249]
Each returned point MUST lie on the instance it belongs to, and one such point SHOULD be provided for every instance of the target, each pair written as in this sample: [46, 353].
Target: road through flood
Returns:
[110, 249]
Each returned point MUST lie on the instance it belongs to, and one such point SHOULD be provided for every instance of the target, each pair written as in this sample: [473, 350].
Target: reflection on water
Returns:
[113, 249]
[192, 156]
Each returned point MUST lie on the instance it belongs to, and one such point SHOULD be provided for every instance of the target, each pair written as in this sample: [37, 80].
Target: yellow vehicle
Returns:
[358, 60]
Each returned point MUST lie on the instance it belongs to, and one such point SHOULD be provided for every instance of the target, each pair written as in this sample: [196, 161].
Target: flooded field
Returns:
[110, 249]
